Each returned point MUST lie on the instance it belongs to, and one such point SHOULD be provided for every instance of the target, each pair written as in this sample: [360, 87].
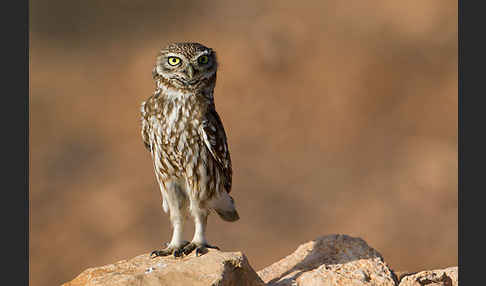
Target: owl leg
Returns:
[176, 244]
[199, 242]
[176, 203]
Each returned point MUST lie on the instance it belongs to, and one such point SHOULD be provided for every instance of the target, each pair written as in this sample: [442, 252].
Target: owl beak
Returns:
[190, 71]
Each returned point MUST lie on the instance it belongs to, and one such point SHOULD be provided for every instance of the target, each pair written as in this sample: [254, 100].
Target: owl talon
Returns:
[163, 252]
[176, 251]
[189, 248]
[212, 246]
[200, 248]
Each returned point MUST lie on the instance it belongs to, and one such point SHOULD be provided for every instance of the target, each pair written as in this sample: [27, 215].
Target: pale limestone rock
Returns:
[440, 277]
[212, 268]
[330, 260]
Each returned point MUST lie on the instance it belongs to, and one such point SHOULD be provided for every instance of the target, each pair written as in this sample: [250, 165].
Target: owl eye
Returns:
[203, 60]
[173, 61]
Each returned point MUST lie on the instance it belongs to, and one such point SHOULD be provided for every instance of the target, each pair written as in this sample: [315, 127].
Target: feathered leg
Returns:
[176, 201]
[199, 241]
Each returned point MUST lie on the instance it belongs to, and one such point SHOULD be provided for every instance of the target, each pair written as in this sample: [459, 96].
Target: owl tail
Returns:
[228, 215]
[225, 207]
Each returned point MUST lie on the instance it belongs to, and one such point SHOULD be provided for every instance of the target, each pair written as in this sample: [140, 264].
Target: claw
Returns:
[200, 249]
[184, 249]
[178, 252]
[212, 246]
[203, 249]
[189, 248]
[163, 252]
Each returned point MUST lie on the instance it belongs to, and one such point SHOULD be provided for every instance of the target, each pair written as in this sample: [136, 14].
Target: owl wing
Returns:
[145, 126]
[214, 137]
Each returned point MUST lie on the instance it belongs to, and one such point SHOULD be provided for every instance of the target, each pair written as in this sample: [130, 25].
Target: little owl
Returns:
[187, 142]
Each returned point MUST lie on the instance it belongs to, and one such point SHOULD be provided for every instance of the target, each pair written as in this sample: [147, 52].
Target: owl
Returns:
[187, 143]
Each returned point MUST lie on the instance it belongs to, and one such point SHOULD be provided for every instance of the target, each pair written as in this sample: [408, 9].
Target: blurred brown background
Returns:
[341, 118]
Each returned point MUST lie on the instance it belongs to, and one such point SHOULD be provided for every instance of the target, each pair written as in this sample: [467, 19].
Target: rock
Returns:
[212, 268]
[330, 260]
[440, 277]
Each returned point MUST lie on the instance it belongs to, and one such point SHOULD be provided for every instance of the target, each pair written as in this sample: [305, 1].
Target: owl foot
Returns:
[176, 251]
[200, 248]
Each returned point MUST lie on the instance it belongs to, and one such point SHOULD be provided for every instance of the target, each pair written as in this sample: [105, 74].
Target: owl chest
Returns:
[178, 142]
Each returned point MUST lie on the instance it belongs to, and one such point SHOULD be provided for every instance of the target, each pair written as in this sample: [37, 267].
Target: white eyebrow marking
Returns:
[206, 52]
[176, 55]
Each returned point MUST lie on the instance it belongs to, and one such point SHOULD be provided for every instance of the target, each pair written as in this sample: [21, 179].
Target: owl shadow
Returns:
[340, 249]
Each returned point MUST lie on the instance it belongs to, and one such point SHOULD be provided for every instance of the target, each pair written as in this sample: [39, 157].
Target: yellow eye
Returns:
[173, 61]
[203, 60]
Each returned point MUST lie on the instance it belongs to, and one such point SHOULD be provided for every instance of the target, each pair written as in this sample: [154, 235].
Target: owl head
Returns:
[186, 66]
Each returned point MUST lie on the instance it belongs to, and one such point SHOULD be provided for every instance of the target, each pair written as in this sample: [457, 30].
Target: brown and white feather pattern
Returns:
[187, 141]
[212, 131]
